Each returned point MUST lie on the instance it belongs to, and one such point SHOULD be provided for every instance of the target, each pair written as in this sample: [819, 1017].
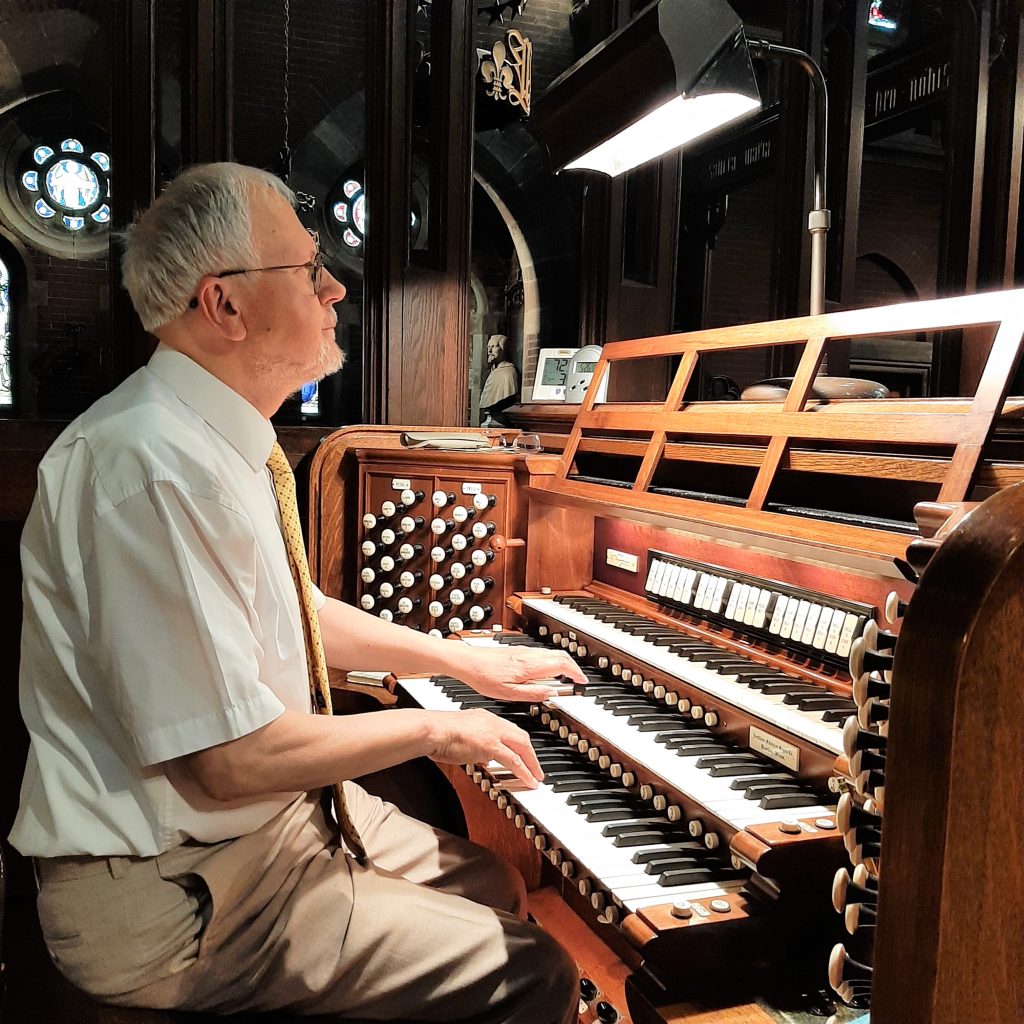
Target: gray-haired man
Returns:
[170, 796]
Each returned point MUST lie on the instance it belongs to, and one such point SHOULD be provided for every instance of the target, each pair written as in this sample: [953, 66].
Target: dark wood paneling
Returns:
[417, 307]
[133, 149]
[207, 105]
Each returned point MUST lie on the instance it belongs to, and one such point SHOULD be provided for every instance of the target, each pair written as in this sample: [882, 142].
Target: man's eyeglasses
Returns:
[315, 266]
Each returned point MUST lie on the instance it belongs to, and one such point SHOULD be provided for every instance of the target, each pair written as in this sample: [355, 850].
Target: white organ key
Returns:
[777, 615]
[660, 573]
[663, 579]
[709, 594]
[652, 572]
[741, 602]
[846, 635]
[789, 618]
[761, 608]
[799, 619]
[679, 589]
[821, 633]
[661, 569]
[702, 589]
[752, 599]
[734, 597]
[682, 585]
[832, 640]
[716, 598]
[810, 623]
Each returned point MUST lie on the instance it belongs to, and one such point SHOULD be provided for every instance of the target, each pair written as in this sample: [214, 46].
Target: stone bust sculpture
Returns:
[501, 388]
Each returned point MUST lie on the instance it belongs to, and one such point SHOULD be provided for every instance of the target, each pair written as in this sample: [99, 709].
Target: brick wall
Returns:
[546, 24]
[739, 288]
[908, 197]
[326, 60]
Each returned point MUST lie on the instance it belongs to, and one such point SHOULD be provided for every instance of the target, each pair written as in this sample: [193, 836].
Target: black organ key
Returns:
[584, 785]
[694, 751]
[727, 771]
[824, 704]
[787, 686]
[690, 848]
[762, 783]
[688, 876]
[654, 823]
[638, 838]
[779, 801]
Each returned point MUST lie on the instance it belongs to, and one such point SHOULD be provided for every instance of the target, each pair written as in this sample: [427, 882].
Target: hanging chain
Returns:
[286, 150]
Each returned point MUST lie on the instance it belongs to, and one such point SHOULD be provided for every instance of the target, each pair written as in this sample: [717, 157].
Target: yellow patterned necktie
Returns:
[319, 685]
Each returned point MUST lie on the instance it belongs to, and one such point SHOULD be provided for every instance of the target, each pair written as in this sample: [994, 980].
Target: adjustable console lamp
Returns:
[677, 71]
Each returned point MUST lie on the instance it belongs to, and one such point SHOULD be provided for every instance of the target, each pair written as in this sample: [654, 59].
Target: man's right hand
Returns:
[478, 736]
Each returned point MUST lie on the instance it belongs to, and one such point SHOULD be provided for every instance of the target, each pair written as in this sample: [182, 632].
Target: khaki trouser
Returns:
[430, 930]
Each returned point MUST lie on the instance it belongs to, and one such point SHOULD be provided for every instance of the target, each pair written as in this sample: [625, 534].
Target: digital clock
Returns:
[552, 367]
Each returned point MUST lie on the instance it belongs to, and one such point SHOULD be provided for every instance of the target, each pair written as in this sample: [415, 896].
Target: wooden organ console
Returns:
[801, 625]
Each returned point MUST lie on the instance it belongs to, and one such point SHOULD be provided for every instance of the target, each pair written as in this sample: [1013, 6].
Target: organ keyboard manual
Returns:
[790, 788]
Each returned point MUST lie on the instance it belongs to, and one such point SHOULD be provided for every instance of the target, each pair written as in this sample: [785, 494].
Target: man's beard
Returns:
[293, 375]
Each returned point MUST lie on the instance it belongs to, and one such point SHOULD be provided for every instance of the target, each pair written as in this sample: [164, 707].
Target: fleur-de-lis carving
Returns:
[508, 69]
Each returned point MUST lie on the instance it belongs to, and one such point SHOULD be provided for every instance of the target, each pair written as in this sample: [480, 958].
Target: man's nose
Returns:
[331, 289]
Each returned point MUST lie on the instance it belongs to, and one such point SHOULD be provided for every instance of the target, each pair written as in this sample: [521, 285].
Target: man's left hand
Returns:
[519, 673]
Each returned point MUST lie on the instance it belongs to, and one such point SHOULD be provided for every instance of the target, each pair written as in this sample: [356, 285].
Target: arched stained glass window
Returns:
[6, 389]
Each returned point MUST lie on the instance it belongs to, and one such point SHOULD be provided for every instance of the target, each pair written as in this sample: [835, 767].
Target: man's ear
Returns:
[216, 307]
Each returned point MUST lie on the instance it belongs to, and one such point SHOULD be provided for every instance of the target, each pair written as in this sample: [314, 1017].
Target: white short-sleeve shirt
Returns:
[160, 615]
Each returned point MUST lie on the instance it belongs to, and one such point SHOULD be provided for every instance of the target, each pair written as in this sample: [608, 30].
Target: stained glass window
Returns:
[884, 14]
[351, 212]
[6, 390]
[66, 183]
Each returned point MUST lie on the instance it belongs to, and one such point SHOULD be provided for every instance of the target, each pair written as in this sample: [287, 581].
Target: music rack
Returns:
[936, 447]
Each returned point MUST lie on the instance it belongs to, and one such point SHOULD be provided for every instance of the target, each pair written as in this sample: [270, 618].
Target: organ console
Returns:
[800, 624]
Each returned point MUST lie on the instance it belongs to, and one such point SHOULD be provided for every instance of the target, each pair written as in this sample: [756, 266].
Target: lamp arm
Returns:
[820, 218]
